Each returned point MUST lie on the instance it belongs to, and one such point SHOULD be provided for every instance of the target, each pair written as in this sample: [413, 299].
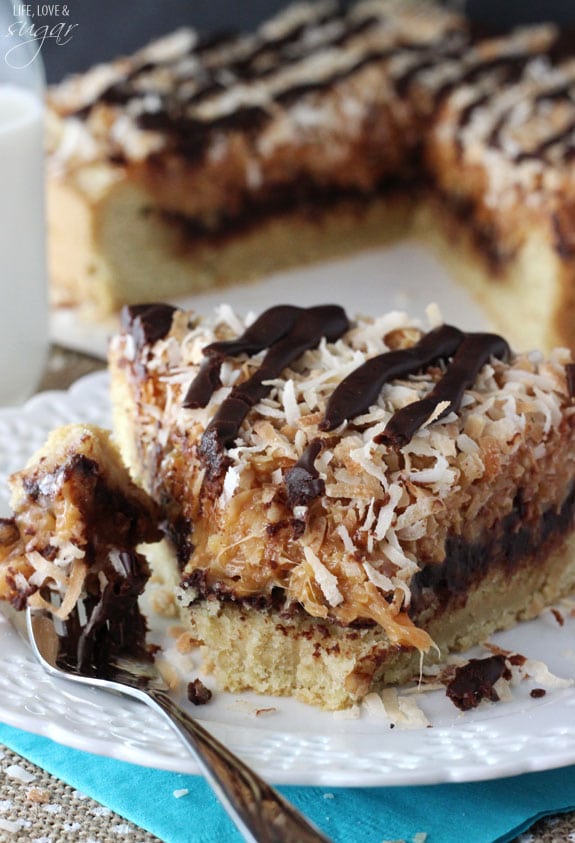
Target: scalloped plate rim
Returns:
[327, 765]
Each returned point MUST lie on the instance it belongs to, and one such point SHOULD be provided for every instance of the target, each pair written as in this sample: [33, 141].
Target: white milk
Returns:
[23, 285]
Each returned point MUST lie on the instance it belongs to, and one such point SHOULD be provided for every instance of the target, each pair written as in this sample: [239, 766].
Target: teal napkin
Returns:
[481, 812]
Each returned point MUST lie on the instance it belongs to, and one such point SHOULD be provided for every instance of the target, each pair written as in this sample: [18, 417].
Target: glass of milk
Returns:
[23, 274]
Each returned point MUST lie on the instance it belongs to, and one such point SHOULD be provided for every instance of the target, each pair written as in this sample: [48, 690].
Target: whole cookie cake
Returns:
[199, 162]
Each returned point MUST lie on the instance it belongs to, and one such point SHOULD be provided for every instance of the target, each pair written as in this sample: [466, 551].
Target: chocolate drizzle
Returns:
[472, 354]
[303, 483]
[287, 331]
[360, 390]
[287, 341]
[147, 323]
[267, 330]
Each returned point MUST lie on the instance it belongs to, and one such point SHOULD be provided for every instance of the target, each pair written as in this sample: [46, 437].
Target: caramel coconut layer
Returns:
[360, 484]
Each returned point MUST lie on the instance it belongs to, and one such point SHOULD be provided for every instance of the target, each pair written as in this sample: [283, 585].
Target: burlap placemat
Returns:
[38, 808]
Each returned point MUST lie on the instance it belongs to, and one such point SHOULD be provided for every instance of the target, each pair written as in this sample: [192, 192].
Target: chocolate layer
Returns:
[300, 194]
[505, 549]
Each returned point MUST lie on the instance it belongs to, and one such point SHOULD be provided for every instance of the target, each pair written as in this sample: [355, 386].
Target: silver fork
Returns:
[260, 813]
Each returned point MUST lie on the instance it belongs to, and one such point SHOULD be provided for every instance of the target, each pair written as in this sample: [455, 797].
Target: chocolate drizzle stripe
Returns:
[474, 352]
[270, 327]
[303, 483]
[147, 323]
[360, 390]
[305, 332]
[553, 140]
[266, 56]
[204, 384]
[509, 67]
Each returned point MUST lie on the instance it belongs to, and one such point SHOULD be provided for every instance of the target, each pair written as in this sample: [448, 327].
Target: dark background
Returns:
[108, 28]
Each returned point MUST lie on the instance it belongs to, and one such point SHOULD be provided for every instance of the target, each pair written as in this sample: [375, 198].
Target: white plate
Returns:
[404, 277]
[292, 743]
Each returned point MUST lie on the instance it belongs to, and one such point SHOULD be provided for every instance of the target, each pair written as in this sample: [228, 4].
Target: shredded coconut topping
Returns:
[354, 551]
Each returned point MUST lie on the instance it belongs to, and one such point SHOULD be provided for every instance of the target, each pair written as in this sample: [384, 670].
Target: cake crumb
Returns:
[164, 603]
[168, 673]
[186, 643]
[35, 794]
[183, 791]
[198, 693]
[537, 693]
[264, 711]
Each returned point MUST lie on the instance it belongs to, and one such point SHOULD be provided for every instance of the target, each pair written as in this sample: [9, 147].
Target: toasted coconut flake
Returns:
[373, 705]
[291, 408]
[45, 570]
[343, 533]
[503, 689]
[377, 578]
[437, 411]
[324, 578]
[540, 673]
[74, 589]
[387, 512]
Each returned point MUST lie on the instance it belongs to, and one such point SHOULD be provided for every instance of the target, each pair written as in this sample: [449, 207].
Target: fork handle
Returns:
[260, 813]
